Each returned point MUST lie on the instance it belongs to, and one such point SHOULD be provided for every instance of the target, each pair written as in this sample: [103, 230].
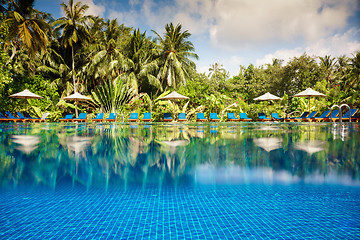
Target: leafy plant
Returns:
[112, 95]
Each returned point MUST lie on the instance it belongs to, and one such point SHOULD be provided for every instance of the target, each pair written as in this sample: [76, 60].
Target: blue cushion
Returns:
[134, 116]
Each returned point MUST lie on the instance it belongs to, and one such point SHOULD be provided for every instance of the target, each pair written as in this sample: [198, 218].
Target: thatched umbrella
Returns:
[172, 97]
[25, 94]
[266, 97]
[77, 97]
[309, 93]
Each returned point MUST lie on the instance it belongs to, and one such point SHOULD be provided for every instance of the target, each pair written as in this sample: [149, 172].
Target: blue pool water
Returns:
[180, 181]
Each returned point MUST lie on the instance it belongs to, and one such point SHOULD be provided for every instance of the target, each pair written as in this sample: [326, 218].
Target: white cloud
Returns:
[239, 24]
[339, 44]
[95, 10]
[247, 22]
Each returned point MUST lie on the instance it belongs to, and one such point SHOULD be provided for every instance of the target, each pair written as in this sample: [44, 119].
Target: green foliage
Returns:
[5, 70]
[112, 95]
[36, 84]
[127, 71]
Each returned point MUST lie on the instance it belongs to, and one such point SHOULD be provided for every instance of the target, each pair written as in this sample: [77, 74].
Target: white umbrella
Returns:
[77, 97]
[309, 93]
[174, 96]
[311, 147]
[267, 96]
[25, 94]
[27, 143]
[268, 144]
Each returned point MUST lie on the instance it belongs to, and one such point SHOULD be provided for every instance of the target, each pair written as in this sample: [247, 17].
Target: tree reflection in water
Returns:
[111, 155]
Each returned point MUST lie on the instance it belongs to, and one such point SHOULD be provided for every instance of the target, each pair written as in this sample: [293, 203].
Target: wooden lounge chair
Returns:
[12, 118]
[99, 117]
[134, 117]
[200, 117]
[81, 118]
[27, 116]
[275, 117]
[311, 115]
[346, 116]
[293, 119]
[244, 117]
[182, 117]
[112, 117]
[30, 119]
[147, 117]
[67, 118]
[231, 117]
[263, 118]
[167, 117]
[214, 117]
[3, 118]
[322, 118]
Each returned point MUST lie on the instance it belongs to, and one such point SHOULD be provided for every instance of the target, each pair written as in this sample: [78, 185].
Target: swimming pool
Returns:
[180, 181]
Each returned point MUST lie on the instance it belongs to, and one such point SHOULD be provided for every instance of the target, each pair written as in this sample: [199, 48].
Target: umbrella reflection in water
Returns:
[311, 147]
[268, 144]
[26, 143]
[78, 144]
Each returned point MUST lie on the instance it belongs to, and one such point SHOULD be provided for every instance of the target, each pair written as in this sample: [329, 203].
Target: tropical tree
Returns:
[141, 66]
[327, 64]
[216, 70]
[74, 28]
[26, 27]
[112, 95]
[106, 56]
[174, 57]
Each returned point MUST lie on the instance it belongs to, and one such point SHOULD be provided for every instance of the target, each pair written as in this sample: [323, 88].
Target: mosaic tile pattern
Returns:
[256, 211]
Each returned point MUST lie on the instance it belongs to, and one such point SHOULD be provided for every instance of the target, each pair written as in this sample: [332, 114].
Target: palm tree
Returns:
[175, 51]
[26, 27]
[216, 70]
[141, 63]
[74, 26]
[106, 57]
[327, 63]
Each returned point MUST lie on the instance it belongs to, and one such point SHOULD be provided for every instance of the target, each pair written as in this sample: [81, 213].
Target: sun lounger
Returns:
[3, 118]
[214, 117]
[134, 117]
[244, 117]
[200, 117]
[81, 118]
[231, 117]
[99, 117]
[12, 118]
[322, 118]
[42, 119]
[275, 117]
[346, 116]
[27, 119]
[167, 117]
[147, 117]
[182, 117]
[311, 115]
[112, 117]
[292, 119]
[67, 118]
[263, 118]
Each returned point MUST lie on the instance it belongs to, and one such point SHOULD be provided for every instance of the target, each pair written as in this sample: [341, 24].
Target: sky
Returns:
[240, 32]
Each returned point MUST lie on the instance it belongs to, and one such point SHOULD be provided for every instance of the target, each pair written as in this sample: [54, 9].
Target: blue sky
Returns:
[240, 32]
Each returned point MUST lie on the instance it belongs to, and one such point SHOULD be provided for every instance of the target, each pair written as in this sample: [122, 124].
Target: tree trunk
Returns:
[73, 67]
[73, 73]
[12, 55]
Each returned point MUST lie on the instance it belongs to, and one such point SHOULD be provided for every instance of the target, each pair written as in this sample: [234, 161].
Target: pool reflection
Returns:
[106, 155]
